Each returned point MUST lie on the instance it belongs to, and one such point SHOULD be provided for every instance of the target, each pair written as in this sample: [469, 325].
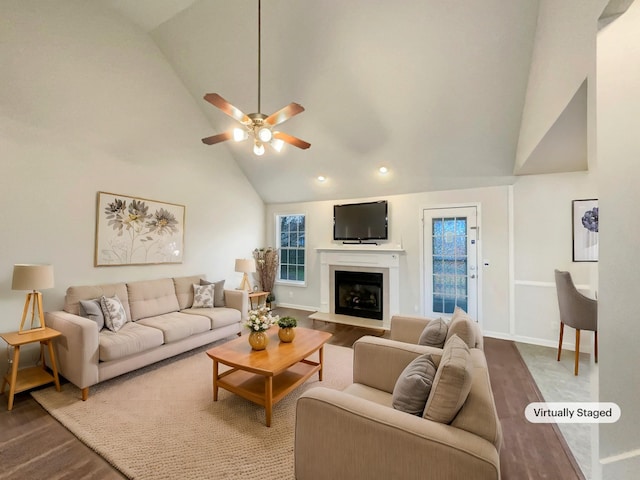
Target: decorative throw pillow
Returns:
[452, 382]
[218, 293]
[114, 314]
[462, 325]
[434, 334]
[413, 386]
[92, 310]
[203, 296]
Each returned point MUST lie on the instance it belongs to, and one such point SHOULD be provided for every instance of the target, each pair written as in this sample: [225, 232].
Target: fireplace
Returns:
[359, 294]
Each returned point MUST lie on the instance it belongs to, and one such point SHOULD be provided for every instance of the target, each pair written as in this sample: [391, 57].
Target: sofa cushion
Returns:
[177, 325]
[184, 289]
[150, 298]
[478, 414]
[218, 317]
[75, 294]
[130, 339]
[370, 393]
[203, 296]
[92, 309]
[113, 311]
[434, 334]
[452, 382]
[413, 385]
[218, 297]
[462, 325]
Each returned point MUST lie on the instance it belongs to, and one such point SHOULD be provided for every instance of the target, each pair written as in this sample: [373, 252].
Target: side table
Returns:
[27, 378]
[260, 298]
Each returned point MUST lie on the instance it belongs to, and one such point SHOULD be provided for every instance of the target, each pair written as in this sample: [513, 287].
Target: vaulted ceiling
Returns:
[432, 90]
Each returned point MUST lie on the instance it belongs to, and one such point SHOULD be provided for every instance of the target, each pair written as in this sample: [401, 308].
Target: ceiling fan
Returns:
[258, 126]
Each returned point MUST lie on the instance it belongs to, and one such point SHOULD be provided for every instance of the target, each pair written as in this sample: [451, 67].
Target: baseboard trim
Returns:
[296, 307]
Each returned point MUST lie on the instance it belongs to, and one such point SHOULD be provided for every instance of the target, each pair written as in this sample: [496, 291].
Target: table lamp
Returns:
[246, 266]
[34, 278]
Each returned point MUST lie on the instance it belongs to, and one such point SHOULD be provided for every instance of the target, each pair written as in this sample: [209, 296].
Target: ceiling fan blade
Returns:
[284, 114]
[217, 101]
[290, 139]
[221, 137]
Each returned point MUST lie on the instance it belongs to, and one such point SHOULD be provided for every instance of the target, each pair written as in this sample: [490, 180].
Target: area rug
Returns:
[161, 422]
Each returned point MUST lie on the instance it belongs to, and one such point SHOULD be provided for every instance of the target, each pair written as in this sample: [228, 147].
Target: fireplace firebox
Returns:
[358, 294]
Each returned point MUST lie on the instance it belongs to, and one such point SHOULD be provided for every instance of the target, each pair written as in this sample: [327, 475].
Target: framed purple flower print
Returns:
[585, 230]
[137, 231]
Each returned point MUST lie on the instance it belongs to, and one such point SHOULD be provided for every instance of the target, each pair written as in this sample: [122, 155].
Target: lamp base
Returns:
[246, 284]
[34, 297]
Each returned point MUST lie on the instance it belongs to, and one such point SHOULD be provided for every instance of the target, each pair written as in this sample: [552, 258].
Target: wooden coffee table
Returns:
[264, 377]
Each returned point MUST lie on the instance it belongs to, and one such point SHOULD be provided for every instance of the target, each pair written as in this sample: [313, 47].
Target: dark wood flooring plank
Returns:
[530, 451]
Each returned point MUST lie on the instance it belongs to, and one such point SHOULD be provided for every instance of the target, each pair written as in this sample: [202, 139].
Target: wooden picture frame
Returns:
[137, 231]
[585, 224]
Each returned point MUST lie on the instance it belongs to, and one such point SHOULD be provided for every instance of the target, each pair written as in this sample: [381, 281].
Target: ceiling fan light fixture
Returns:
[240, 134]
[277, 144]
[257, 125]
[258, 149]
[264, 134]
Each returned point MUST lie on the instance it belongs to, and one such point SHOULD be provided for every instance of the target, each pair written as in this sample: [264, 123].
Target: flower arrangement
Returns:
[260, 319]
[287, 322]
[266, 269]
[590, 220]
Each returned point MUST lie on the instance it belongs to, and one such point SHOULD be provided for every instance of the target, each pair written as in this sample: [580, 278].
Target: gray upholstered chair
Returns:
[577, 311]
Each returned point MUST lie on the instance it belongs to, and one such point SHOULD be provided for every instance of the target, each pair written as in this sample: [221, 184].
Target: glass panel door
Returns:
[450, 268]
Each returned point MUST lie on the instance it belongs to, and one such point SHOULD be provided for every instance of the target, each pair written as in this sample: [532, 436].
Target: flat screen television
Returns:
[361, 222]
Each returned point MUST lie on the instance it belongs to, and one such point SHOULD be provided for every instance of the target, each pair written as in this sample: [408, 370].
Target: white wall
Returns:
[541, 242]
[88, 104]
[562, 59]
[405, 229]
[618, 102]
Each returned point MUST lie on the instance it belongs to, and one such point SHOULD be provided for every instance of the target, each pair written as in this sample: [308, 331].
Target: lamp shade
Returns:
[245, 265]
[32, 277]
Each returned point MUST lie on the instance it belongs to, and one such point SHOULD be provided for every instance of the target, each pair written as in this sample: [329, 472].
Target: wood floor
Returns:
[33, 445]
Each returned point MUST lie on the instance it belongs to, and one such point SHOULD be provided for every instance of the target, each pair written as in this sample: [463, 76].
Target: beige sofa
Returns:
[161, 323]
[357, 434]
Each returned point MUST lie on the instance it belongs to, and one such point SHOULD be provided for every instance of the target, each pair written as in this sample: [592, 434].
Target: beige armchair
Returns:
[357, 434]
[577, 311]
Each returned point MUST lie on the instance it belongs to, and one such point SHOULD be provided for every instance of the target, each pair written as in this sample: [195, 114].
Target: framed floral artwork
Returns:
[585, 230]
[137, 231]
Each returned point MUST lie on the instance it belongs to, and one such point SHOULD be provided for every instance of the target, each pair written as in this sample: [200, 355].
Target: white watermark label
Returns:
[572, 412]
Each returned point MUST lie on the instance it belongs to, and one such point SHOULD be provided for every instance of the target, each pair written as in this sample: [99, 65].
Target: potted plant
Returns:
[286, 333]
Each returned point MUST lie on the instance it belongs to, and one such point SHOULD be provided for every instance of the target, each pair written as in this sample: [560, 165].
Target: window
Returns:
[290, 237]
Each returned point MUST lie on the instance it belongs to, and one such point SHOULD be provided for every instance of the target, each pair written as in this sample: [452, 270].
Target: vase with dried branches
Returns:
[266, 269]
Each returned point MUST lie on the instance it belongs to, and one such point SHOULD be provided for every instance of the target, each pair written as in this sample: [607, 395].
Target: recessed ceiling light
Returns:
[383, 170]
[321, 178]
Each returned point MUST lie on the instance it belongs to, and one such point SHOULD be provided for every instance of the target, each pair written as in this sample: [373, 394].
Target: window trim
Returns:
[278, 280]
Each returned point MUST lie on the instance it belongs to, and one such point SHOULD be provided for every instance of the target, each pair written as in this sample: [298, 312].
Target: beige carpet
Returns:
[162, 423]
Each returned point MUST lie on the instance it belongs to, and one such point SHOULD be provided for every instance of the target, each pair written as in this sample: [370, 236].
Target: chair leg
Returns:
[560, 342]
[596, 344]
[575, 370]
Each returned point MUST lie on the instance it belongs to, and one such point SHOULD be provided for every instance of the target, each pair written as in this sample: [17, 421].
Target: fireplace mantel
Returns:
[360, 248]
[386, 259]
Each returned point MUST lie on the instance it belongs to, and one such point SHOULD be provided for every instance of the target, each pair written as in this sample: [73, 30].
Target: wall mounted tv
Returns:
[361, 222]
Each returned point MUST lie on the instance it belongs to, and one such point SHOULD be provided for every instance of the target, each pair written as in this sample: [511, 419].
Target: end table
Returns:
[27, 378]
[259, 297]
